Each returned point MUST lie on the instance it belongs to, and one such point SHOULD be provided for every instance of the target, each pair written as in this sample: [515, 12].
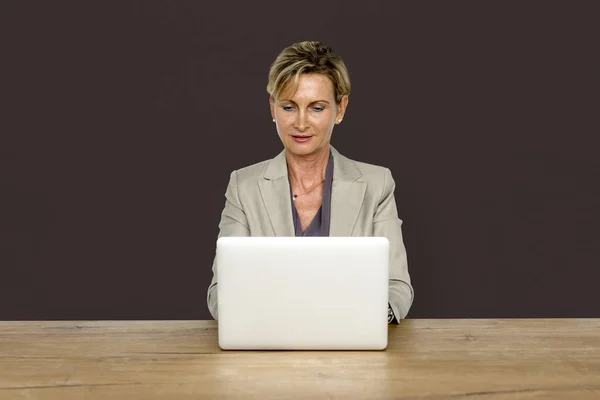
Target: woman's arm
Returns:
[233, 223]
[387, 224]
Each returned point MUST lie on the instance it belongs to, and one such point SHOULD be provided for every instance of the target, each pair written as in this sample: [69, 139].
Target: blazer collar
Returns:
[344, 168]
[347, 195]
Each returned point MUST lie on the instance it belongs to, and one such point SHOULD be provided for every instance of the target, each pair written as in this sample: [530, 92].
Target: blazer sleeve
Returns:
[233, 223]
[387, 224]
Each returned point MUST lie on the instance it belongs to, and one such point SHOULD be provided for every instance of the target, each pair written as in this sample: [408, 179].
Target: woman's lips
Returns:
[301, 139]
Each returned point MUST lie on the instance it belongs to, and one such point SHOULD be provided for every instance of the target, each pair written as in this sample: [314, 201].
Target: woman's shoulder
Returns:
[252, 172]
[368, 171]
[275, 167]
[371, 169]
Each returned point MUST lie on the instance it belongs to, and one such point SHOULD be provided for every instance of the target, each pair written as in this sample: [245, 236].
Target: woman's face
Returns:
[305, 119]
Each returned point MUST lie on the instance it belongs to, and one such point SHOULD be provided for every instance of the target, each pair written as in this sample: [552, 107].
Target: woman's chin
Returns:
[302, 149]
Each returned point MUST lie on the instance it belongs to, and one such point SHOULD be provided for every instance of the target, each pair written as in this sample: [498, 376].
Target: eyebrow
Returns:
[312, 102]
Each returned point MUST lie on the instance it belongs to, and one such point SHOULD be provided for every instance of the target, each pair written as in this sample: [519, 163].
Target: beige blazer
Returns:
[258, 203]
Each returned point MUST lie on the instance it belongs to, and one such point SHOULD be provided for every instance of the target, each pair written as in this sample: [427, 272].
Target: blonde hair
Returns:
[305, 58]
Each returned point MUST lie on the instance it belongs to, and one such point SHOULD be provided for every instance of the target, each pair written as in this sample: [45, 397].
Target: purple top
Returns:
[319, 226]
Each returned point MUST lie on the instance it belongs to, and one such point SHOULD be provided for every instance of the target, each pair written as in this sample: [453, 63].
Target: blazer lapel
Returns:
[275, 192]
[347, 195]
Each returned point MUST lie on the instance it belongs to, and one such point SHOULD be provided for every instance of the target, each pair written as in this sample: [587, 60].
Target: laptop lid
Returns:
[295, 293]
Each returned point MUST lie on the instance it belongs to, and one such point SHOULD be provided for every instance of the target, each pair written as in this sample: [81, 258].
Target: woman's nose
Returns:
[302, 121]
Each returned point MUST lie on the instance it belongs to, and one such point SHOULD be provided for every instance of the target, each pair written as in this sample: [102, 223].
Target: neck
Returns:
[310, 168]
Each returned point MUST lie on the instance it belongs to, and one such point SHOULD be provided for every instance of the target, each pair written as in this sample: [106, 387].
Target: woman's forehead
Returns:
[310, 87]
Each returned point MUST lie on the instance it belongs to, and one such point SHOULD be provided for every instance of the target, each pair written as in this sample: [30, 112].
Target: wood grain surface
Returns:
[426, 359]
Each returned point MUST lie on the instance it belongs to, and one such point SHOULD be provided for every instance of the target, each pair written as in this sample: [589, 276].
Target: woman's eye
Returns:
[288, 108]
[318, 108]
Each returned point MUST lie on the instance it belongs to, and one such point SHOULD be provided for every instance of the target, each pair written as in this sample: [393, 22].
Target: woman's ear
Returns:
[342, 108]
[272, 106]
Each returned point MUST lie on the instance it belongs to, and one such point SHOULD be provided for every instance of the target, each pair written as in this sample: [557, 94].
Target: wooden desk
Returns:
[426, 359]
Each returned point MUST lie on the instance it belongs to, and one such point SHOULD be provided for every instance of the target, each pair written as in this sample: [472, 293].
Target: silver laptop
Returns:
[302, 293]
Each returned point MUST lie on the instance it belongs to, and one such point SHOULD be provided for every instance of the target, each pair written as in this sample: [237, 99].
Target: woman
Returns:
[310, 189]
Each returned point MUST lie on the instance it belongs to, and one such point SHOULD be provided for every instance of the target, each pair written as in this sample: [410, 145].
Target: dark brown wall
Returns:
[121, 121]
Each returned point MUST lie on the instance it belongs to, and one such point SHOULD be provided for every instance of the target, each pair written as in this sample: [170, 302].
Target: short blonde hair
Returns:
[305, 58]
